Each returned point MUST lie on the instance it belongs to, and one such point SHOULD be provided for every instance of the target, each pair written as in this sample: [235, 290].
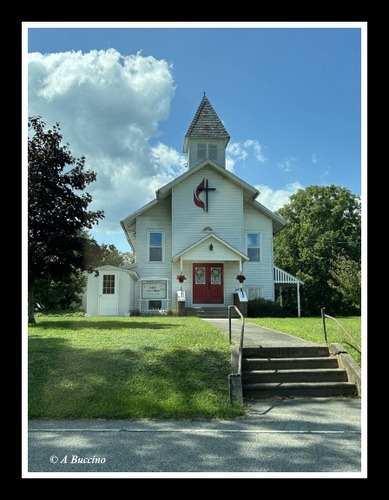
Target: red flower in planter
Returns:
[181, 277]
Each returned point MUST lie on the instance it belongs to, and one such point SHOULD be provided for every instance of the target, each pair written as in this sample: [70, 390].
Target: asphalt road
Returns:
[316, 437]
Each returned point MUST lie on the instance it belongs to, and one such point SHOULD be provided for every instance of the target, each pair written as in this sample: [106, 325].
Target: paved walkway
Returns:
[255, 335]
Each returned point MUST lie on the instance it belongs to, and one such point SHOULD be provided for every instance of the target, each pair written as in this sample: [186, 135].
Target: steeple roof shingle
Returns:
[205, 124]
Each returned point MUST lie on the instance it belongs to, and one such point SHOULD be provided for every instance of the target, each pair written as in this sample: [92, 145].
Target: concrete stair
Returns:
[293, 372]
[210, 312]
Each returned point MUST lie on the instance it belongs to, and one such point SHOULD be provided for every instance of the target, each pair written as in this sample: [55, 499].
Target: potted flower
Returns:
[181, 277]
[241, 278]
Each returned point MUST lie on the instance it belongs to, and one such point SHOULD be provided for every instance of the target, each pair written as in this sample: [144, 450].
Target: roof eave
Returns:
[213, 236]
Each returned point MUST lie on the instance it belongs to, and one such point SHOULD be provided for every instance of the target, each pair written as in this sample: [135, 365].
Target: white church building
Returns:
[207, 227]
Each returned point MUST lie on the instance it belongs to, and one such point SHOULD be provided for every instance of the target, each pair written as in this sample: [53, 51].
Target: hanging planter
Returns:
[241, 278]
[181, 277]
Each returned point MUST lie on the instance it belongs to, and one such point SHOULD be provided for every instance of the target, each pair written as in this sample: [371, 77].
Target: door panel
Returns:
[208, 285]
[108, 294]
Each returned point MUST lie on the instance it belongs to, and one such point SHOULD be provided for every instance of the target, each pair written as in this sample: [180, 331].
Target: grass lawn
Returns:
[163, 367]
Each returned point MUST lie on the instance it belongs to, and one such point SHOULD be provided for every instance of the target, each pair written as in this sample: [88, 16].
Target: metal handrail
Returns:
[324, 315]
[239, 372]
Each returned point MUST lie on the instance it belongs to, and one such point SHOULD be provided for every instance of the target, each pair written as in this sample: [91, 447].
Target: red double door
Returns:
[208, 285]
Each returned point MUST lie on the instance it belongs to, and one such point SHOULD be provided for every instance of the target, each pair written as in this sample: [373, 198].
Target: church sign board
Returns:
[154, 289]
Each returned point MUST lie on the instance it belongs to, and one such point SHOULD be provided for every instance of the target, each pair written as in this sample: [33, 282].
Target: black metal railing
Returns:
[240, 352]
[324, 316]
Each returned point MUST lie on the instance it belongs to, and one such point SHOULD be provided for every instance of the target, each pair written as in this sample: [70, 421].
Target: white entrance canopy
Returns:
[203, 250]
[283, 278]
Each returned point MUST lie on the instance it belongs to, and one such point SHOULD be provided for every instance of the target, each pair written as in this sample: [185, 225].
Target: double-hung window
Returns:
[156, 244]
[253, 245]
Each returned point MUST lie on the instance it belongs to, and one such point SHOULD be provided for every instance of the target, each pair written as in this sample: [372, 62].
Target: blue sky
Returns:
[292, 98]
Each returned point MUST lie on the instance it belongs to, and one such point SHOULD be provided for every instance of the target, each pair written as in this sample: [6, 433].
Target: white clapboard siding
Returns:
[260, 274]
[158, 218]
[225, 211]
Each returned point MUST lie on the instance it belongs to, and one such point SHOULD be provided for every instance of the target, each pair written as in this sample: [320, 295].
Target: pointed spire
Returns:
[205, 124]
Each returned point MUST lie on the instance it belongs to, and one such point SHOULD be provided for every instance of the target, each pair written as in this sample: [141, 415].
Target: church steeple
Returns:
[207, 137]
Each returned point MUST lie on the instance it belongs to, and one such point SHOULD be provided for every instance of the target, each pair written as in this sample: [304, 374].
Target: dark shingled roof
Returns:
[206, 124]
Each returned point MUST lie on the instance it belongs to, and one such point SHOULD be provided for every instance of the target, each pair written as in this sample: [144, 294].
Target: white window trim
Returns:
[260, 245]
[254, 288]
[162, 231]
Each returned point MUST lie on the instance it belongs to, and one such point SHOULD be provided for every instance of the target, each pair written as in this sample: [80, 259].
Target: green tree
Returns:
[111, 256]
[346, 279]
[60, 294]
[66, 291]
[57, 208]
[129, 258]
[324, 224]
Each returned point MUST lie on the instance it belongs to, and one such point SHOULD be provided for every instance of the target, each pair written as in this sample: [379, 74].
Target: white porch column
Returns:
[298, 300]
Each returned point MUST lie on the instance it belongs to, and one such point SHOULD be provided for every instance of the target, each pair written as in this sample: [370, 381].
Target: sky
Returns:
[291, 96]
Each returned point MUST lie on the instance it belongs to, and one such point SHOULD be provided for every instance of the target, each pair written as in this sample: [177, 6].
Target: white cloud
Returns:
[171, 162]
[108, 107]
[275, 199]
[230, 164]
[286, 165]
[257, 150]
[239, 152]
[236, 151]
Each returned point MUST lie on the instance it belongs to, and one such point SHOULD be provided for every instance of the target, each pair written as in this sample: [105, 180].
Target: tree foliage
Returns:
[111, 256]
[346, 279]
[59, 294]
[57, 207]
[324, 224]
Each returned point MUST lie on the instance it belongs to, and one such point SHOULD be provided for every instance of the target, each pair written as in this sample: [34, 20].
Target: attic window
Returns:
[207, 229]
[212, 151]
[201, 151]
[206, 150]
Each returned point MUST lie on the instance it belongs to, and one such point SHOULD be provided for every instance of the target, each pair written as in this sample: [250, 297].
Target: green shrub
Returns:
[262, 308]
[70, 311]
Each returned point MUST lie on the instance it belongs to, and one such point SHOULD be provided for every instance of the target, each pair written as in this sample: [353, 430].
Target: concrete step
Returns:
[210, 312]
[314, 351]
[311, 390]
[319, 362]
[293, 371]
[303, 376]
